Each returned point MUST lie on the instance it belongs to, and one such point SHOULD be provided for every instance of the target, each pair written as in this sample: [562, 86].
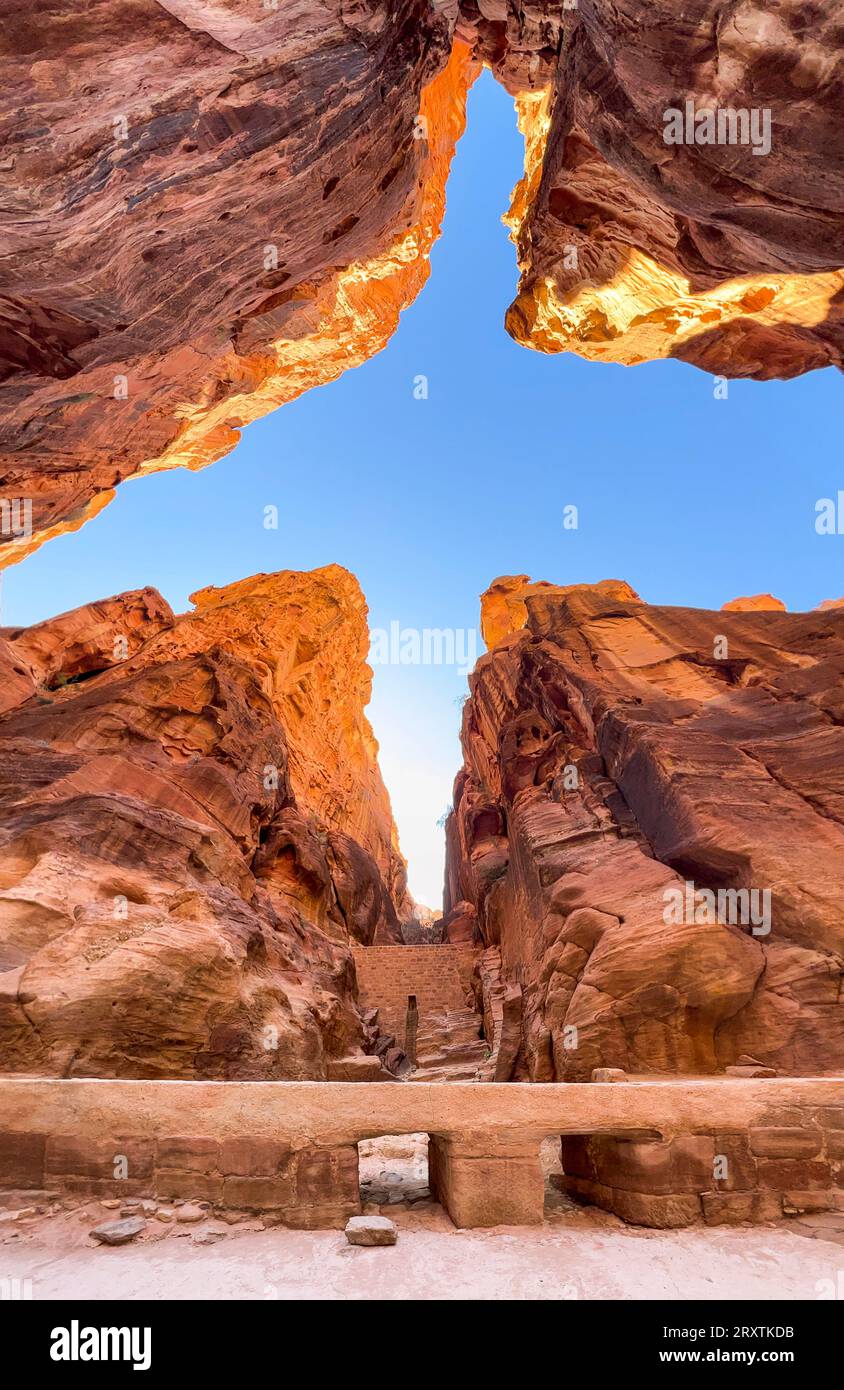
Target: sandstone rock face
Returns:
[504, 608]
[755, 603]
[213, 205]
[632, 248]
[193, 829]
[616, 751]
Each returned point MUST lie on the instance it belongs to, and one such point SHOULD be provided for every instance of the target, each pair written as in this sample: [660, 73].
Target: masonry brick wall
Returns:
[734, 1150]
[310, 1187]
[790, 1162]
[440, 977]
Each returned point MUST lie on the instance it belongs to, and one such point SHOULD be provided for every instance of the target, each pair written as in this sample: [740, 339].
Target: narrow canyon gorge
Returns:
[210, 208]
[201, 877]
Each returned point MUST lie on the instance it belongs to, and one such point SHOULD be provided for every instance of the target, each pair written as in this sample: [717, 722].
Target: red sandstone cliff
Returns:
[725, 254]
[614, 751]
[211, 206]
[193, 830]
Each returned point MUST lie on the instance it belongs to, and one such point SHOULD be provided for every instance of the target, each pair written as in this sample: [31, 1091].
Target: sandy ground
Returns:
[578, 1253]
[433, 1261]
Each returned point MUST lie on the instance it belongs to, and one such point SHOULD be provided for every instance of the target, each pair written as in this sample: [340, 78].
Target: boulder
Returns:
[371, 1230]
[119, 1232]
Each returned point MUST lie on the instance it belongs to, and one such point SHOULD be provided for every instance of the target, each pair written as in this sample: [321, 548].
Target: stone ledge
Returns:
[289, 1148]
[332, 1112]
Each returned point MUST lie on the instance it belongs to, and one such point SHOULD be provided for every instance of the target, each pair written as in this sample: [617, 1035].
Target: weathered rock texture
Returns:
[193, 830]
[614, 750]
[633, 249]
[212, 205]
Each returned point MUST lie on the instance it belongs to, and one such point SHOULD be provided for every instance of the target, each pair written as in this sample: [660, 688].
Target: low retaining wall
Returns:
[289, 1148]
[790, 1159]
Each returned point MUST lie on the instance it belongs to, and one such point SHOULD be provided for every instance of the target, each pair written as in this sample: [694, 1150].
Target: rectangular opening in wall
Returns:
[393, 1172]
[564, 1159]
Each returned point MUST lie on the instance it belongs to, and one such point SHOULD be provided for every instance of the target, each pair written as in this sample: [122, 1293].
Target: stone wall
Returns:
[289, 1148]
[789, 1159]
[310, 1188]
[439, 976]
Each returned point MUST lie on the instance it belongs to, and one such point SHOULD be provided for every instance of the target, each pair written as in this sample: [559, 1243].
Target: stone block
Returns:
[660, 1211]
[253, 1158]
[314, 1178]
[258, 1194]
[22, 1159]
[796, 1203]
[173, 1182]
[835, 1143]
[681, 1165]
[354, 1069]
[830, 1116]
[504, 1187]
[741, 1174]
[328, 1177]
[783, 1142]
[733, 1208]
[189, 1154]
[786, 1174]
[371, 1230]
[322, 1216]
[99, 1159]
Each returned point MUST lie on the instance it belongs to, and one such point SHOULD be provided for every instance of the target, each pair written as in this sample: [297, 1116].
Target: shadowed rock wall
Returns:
[615, 752]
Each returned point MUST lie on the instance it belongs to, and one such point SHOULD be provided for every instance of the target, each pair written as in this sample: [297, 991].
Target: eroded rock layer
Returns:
[724, 249]
[211, 206]
[193, 831]
[615, 752]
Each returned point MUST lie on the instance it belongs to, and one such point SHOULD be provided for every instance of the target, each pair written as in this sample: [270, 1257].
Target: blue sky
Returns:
[692, 500]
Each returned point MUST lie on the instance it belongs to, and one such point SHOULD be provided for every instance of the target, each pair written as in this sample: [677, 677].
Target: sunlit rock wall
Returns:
[193, 831]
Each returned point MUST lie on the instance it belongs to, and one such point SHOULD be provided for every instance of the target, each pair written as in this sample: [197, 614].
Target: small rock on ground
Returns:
[190, 1212]
[19, 1215]
[371, 1230]
[208, 1237]
[119, 1232]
